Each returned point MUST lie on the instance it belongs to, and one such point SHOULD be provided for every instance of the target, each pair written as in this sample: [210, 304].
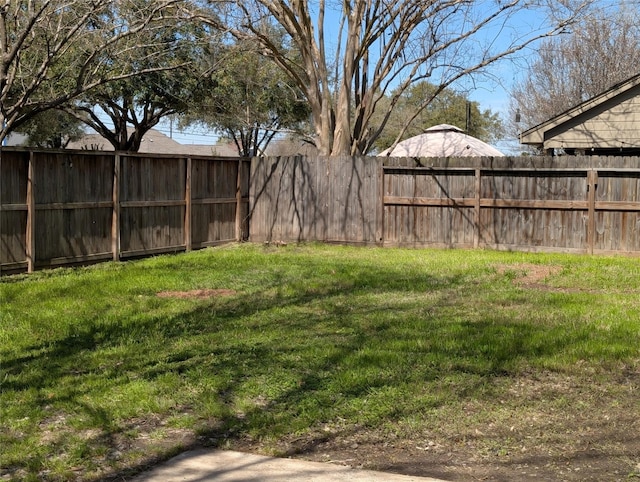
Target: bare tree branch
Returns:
[52, 51]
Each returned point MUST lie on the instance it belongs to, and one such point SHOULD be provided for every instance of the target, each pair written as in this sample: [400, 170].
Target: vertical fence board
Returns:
[115, 216]
[186, 235]
[592, 183]
[239, 202]
[30, 249]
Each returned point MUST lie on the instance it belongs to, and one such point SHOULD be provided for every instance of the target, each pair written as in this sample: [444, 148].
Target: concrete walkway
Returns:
[228, 466]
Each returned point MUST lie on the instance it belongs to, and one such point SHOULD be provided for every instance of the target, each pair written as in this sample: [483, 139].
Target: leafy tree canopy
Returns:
[53, 51]
[251, 100]
[52, 128]
[171, 81]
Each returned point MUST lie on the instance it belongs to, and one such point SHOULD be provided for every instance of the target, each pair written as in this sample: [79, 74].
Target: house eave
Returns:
[538, 135]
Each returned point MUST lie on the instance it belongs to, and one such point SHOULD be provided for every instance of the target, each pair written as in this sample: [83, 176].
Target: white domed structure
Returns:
[443, 140]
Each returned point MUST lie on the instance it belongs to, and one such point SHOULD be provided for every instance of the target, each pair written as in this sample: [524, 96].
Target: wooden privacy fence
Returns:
[576, 204]
[65, 207]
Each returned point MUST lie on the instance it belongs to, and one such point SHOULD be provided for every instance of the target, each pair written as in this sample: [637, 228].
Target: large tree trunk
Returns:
[324, 123]
[342, 129]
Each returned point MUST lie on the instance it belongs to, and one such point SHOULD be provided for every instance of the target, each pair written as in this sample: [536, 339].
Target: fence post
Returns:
[476, 209]
[1, 207]
[380, 203]
[592, 185]
[187, 208]
[115, 217]
[31, 215]
[239, 202]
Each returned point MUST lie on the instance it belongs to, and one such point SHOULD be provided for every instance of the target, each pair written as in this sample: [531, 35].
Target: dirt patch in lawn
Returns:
[197, 294]
[527, 274]
[532, 276]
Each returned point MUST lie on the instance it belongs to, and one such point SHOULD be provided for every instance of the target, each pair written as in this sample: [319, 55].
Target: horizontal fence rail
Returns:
[68, 207]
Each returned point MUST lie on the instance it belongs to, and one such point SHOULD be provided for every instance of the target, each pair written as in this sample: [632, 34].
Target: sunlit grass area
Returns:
[100, 374]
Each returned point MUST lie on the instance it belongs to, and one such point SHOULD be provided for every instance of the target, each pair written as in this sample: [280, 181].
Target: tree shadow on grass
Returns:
[280, 362]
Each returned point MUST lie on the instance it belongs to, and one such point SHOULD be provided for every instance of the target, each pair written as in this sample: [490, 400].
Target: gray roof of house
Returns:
[155, 142]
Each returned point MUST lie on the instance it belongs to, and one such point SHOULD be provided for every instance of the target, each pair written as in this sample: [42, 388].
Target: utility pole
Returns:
[468, 118]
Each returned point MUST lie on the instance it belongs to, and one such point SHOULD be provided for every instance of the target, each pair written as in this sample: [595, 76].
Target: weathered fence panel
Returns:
[152, 205]
[14, 170]
[218, 189]
[65, 207]
[323, 199]
[72, 197]
[425, 206]
[533, 209]
[617, 211]
[576, 204]
[568, 204]
[354, 184]
[288, 198]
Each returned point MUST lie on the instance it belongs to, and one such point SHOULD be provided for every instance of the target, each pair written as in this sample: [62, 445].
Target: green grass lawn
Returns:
[100, 374]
